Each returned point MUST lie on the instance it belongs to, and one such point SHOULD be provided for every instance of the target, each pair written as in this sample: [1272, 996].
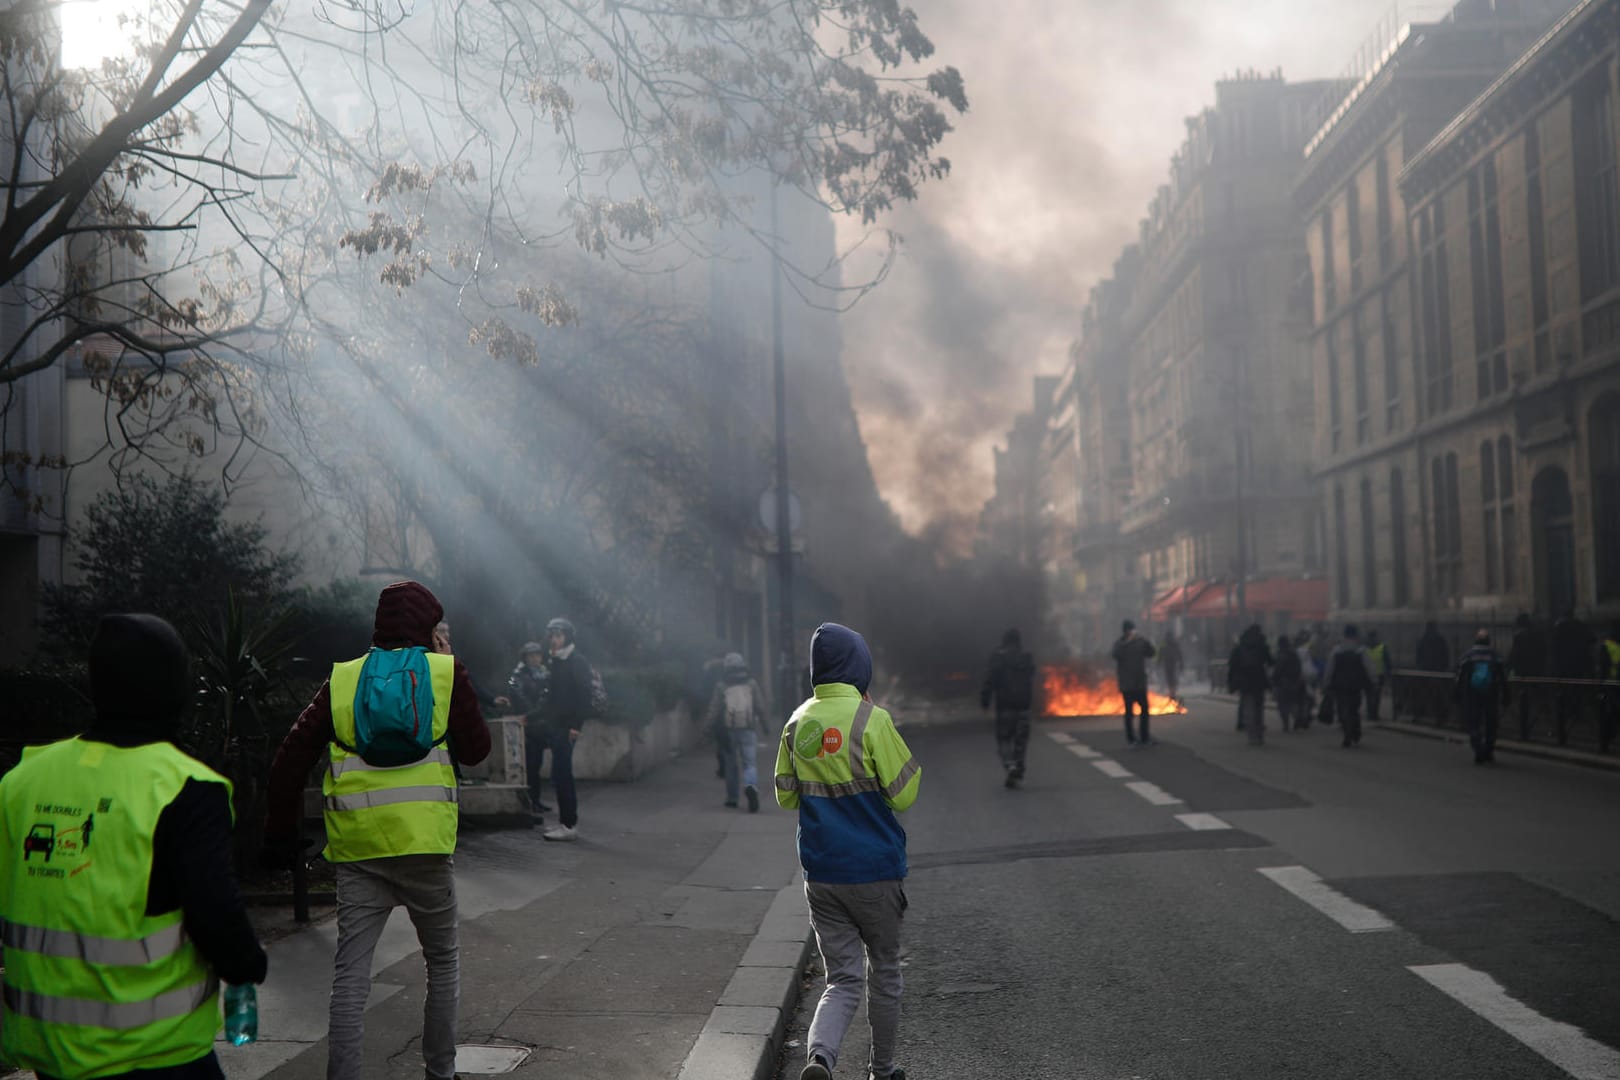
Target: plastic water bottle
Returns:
[241, 1014]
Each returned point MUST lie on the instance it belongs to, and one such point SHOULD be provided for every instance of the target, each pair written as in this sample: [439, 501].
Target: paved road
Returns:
[1079, 928]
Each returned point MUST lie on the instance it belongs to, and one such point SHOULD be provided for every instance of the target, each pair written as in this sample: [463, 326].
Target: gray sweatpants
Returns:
[367, 891]
[858, 931]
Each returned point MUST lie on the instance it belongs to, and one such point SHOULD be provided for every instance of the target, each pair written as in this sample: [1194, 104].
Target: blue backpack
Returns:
[1479, 678]
[393, 708]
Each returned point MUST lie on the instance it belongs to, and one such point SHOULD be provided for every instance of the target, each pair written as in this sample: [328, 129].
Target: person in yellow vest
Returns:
[1378, 661]
[117, 893]
[842, 765]
[390, 827]
[1609, 671]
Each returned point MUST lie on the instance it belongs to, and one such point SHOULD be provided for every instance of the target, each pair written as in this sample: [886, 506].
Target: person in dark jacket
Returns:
[1573, 651]
[1349, 679]
[1131, 655]
[1009, 682]
[1288, 685]
[1527, 656]
[1171, 662]
[526, 690]
[1246, 677]
[1480, 690]
[140, 685]
[567, 706]
[1433, 654]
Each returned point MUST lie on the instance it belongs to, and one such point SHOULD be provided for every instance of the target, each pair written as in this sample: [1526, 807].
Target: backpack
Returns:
[1479, 679]
[393, 708]
[739, 706]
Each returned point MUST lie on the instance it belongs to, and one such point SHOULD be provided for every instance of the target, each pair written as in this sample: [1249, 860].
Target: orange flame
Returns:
[1071, 692]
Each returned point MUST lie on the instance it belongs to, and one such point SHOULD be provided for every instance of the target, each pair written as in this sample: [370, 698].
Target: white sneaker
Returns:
[560, 832]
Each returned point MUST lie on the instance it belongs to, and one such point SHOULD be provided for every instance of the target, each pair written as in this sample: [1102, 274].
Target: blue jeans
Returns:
[742, 743]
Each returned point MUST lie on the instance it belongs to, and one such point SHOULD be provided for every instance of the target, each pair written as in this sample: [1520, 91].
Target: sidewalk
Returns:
[673, 917]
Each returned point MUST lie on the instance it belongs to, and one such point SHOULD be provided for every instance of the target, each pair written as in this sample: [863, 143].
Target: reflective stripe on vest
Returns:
[354, 763]
[92, 949]
[364, 800]
[120, 1016]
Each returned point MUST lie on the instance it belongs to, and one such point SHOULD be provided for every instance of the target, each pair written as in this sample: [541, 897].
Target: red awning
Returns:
[1302, 601]
[1169, 605]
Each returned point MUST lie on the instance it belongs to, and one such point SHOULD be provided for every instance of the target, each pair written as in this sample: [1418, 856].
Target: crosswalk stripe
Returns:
[1081, 750]
[1354, 917]
[1153, 793]
[1202, 822]
[1112, 768]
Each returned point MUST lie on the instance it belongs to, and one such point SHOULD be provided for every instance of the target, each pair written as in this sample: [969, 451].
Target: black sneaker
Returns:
[732, 803]
[816, 1069]
[898, 1074]
[753, 799]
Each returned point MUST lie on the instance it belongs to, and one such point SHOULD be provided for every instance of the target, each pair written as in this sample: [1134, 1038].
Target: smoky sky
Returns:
[1075, 111]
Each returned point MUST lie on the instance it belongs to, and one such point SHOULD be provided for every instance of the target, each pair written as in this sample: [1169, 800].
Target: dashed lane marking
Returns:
[1081, 750]
[1566, 1046]
[1202, 822]
[1060, 736]
[1112, 768]
[1354, 917]
[1154, 794]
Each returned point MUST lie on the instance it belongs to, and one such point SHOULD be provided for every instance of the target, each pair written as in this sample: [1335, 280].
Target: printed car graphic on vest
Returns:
[41, 838]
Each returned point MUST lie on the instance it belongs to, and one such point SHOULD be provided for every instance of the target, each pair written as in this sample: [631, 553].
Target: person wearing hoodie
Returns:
[842, 765]
[389, 851]
[1246, 677]
[1131, 655]
[1480, 690]
[1348, 679]
[117, 889]
[737, 707]
[1009, 681]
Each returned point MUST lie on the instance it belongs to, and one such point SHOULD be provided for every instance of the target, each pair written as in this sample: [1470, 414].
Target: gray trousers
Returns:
[858, 931]
[367, 891]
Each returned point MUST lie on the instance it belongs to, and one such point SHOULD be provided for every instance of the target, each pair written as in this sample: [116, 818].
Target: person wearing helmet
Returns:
[567, 706]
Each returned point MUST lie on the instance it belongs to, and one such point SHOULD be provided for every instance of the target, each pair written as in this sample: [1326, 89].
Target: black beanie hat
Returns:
[140, 675]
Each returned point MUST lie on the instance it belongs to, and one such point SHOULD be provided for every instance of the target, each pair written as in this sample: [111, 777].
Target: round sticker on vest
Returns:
[807, 740]
[832, 741]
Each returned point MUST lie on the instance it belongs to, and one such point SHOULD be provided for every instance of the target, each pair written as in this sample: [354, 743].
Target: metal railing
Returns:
[1579, 713]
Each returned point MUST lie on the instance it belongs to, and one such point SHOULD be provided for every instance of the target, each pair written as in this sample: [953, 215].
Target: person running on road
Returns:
[1131, 655]
[842, 765]
[1010, 682]
[1348, 680]
[737, 707]
[390, 827]
[1480, 690]
[114, 972]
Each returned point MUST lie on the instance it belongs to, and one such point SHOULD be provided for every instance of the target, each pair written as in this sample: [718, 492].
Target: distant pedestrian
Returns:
[1480, 690]
[1573, 653]
[1288, 685]
[1527, 658]
[1378, 662]
[1170, 662]
[1348, 680]
[1433, 654]
[1609, 671]
[1009, 684]
[737, 708]
[526, 689]
[842, 765]
[1131, 655]
[1312, 676]
[114, 972]
[1246, 677]
[390, 816]
[567, 706]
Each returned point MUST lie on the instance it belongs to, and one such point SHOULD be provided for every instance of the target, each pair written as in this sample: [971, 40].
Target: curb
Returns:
[744, 1032]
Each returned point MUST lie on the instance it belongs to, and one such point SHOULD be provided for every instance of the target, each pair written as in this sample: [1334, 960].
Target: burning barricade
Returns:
[1081, 689]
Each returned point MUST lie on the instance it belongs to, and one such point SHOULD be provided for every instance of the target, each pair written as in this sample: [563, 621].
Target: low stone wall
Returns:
[620, 752]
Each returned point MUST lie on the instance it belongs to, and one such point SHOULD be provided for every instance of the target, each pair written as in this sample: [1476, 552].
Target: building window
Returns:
[1335, 433]
[1604, 434]
[1434, 297]
[1352, 196]
[1397, 538]
[1330, 298]
[1385, 222]
[1392, 367]
[1504, 493]
[1369, 547]
[1485, 266]
[1447, 526]
[1341, 547]
[1487, 496]
[1596, 195]
[1358, 347]
[1536, 227]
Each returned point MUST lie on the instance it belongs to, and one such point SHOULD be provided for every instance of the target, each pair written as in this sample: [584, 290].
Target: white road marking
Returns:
[1154, 794]
[1112, 768]
[1566, 1046]
[1060, 736]
[1202, 822]
[1081, 750]
[1354, 917]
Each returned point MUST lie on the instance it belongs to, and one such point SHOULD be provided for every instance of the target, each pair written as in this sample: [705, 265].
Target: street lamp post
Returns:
[784, 522]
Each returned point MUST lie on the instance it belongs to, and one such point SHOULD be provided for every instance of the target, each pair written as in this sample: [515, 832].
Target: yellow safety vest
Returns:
[93, 985]
[375, 811]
